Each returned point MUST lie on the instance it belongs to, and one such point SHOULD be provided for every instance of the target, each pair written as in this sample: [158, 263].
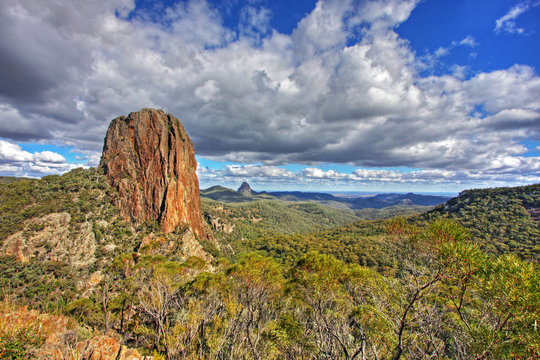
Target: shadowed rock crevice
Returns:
[149, 158]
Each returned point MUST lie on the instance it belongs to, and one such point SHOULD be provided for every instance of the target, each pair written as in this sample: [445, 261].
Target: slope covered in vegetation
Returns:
[394, 289]
[502, 220]
[446, 299]
[57, 234]
[275, 216]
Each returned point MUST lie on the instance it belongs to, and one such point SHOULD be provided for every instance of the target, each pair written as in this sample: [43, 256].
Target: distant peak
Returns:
[245, 189]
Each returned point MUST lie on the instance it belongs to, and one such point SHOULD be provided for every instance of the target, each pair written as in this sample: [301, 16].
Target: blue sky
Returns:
[334, 95]
[435, 24]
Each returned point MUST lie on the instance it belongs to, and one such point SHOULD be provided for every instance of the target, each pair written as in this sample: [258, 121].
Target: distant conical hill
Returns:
[245, 189]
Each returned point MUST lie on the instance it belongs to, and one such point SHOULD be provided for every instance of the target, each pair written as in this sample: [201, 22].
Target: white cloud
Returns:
[507, 22]
[207, 91]
[321, 174]
[254, 22]
[13, 152]
[469, 41]
[266, 177]
[18, 162]
[49, 157]
[430, 60]
[315, 96]
[384, 13]
[257, 171]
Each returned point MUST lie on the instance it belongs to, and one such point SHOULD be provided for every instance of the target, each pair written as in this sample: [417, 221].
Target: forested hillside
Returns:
[502, 220]
[68, 210]
[446, 299]
[287, 280]
[260, 217]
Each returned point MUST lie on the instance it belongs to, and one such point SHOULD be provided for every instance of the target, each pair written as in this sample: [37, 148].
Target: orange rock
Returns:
[150, 159]
[106, 347]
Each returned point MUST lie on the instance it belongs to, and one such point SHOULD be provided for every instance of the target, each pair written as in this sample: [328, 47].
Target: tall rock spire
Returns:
[150, 159]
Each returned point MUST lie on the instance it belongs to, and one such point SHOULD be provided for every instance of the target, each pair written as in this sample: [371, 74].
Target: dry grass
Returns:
[23, 331]
[28, 334]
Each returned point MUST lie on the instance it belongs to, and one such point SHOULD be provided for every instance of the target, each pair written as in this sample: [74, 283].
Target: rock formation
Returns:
[245, 189]
[218, 224]
[149, 158]
[52, 238]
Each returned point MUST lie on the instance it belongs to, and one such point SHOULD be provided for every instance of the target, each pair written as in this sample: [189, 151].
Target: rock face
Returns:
[245, 189]
[219, 224]
[61, 340]
[49, 238]
[184, 247]
[150, 159]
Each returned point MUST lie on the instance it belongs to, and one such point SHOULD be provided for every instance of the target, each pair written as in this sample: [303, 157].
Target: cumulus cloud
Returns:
[14, 161]
[257, 171]
[13, 152]
[342, 88]
[49, 157]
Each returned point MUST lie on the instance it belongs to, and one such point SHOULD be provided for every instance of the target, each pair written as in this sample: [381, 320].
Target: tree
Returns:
[336, 307]
[158, 296]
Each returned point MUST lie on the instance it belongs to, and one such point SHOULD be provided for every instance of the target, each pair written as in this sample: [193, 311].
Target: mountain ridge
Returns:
[378, 201]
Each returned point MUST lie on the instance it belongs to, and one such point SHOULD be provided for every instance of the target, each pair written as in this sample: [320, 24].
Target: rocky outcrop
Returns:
[99, 347]
[218, 224]
[181, 245]
[245, 189]
[149, 158]
[106, 347]
[61, 338]
[51, 238]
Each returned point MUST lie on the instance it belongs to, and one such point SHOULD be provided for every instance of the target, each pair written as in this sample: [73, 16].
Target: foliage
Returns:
[22, 331]
[77, 193]
[300, 281]
[391, 211]
[85, 195]
[501, 220]
[11, 179]
[361, 243]
[43, 285]
[445, 298]
[260, 217]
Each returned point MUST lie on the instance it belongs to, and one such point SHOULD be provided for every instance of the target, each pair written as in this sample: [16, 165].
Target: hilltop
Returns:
[223, 194]
[245, 189]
